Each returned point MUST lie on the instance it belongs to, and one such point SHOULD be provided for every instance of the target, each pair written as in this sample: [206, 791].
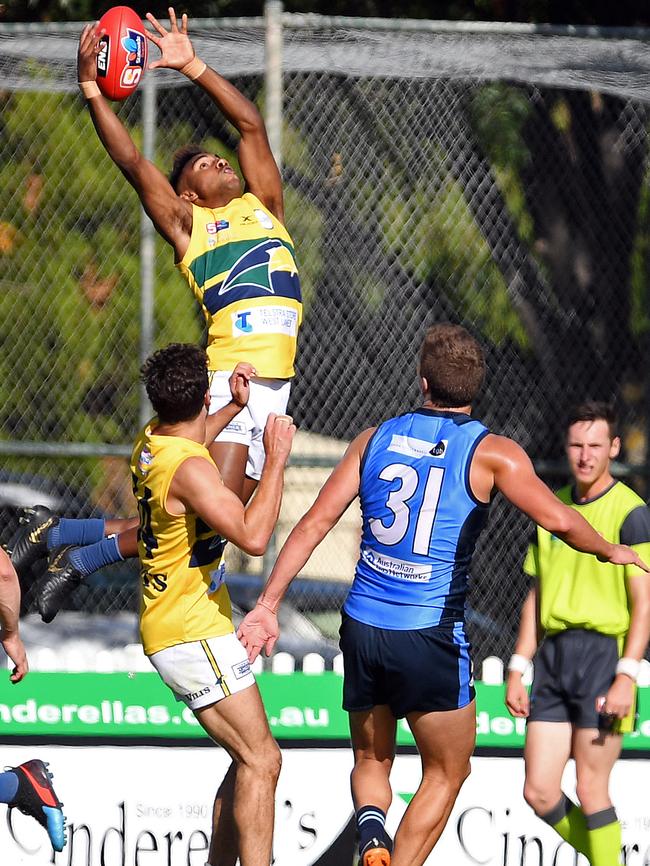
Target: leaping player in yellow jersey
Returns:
[232, 248]
[186, 516]
[238, 259]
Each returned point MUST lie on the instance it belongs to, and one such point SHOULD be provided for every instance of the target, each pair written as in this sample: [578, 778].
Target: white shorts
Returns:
[247, 428]
[204, 671]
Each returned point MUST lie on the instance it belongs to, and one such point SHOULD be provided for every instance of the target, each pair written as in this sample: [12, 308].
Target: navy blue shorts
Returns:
[423, 670]
[573, 670]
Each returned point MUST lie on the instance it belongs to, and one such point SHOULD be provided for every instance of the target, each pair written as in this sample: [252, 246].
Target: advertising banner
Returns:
[491, 825]
[151, 806]
[138, 806]
[299, 707]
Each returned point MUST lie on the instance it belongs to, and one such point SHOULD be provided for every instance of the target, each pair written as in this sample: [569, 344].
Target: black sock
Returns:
[370, 826]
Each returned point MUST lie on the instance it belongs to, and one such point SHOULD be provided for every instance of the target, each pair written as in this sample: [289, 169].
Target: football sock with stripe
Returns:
[568, 820]
[95, 556]
[81, 532]
[8, 786]
[604, 833]
[371, 822]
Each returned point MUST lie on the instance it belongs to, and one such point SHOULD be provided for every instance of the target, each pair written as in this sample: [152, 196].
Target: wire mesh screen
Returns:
[496, 181]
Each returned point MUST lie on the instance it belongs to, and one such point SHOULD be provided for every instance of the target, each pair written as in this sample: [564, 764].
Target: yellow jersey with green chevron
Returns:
[576, 590]
[184, 597]
[241, 267]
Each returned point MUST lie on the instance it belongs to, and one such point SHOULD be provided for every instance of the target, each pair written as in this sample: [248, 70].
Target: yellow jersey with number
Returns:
[184, 597]
[240, 265]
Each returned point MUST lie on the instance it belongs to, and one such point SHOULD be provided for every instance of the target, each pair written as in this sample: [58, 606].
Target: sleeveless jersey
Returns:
[240, 265]
[420, 522]
[184, 597]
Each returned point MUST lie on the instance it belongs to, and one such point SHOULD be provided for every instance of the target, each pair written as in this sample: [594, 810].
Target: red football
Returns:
[122, 56]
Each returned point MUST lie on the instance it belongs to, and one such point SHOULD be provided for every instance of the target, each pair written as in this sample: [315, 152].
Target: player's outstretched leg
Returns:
[70, 564]
[35, 796]
[61, 578]
[29, 543]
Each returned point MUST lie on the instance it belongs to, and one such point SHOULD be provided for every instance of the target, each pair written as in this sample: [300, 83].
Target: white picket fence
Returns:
[131, 659]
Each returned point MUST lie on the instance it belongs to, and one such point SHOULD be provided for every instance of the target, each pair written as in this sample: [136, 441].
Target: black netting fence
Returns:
[499, 181]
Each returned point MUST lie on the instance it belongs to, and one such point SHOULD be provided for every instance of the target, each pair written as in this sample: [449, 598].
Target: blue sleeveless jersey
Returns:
[420, 522]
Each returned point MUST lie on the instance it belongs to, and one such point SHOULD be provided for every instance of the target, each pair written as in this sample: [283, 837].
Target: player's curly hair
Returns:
[176, 379]
[182, 156]
[452, 362]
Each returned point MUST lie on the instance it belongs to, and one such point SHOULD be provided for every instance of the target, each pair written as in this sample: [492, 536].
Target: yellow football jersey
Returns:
[184, 597]
[240, 265]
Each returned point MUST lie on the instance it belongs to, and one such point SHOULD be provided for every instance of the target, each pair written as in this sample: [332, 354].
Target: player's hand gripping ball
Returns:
[122, 56]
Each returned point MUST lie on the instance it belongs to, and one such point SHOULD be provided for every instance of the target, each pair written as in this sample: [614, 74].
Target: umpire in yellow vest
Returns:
[593, 619]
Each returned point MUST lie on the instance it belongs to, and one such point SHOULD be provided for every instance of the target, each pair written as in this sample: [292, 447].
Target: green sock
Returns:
[568, 820]
[604, 833]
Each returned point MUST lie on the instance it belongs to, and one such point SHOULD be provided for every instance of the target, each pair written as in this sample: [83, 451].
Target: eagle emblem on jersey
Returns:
[257, 267]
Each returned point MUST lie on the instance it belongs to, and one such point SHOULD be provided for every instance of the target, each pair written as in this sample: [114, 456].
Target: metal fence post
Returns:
[147, 243]
[273, 75]
[273, 80]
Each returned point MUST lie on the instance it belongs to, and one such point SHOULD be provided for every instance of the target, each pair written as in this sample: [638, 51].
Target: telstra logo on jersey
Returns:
[242, 323]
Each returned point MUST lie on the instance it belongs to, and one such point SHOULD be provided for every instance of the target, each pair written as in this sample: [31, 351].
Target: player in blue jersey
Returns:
[425, 480]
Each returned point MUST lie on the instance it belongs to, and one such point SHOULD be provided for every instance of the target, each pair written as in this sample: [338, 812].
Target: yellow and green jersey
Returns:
[576, 590]
[240, 265]
[184, 597]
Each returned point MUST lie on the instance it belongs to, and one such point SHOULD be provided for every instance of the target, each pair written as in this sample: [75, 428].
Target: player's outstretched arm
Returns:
[239, 382]
[256, 160]
[171, 215]
[517, 699]
[9, 613]
[259, 628]
[514, 475]
[197, 486]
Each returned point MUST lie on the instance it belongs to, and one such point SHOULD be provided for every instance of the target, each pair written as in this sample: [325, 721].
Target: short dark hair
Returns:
[176, 379]
[595, 410]
[452, 362]
[182, 156]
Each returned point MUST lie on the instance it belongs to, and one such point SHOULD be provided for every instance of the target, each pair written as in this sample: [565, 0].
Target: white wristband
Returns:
[518, 663]
[629, 667]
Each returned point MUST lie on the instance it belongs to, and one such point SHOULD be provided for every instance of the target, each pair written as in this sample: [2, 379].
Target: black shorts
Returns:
[573, 669]
[423, 670]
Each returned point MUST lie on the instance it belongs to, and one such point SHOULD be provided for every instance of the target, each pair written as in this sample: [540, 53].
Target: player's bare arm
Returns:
[197, 487]
[170, 214]
[256, 161]
[239, 382]
[260, 629]
[499, 462]
[9, 615]
[620, 696]
[517, 699]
